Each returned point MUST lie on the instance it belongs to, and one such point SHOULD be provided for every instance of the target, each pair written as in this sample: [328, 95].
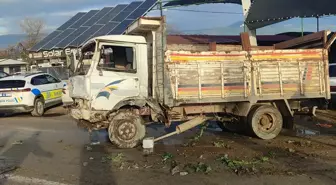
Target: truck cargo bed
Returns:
[240, 76]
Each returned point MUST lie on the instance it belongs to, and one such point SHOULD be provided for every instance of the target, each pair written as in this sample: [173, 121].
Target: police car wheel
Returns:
[38, 108]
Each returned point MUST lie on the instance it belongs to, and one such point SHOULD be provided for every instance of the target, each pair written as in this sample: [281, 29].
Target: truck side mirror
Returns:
[100, 70]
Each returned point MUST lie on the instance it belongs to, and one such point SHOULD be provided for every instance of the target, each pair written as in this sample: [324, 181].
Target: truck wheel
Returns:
[126, 129]
[265, 121]
[38, 110]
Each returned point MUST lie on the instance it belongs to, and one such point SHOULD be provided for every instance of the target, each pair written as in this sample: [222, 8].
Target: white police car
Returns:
[30, 92]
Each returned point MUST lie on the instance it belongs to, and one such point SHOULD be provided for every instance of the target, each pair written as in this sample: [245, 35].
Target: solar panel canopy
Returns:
[86, 25]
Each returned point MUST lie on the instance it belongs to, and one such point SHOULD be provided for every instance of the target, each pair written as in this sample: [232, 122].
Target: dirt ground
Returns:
[52, 150]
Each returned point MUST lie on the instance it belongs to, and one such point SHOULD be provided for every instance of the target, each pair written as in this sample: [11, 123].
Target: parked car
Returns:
[3, 74]
[30, 92]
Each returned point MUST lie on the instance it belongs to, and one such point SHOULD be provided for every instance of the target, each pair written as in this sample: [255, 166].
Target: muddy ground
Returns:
[52, 150]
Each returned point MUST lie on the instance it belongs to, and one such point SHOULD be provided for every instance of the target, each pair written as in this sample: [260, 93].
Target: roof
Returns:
[120, 38]
[5, 62]
[222, 39]
[87, 25]
[266, 12]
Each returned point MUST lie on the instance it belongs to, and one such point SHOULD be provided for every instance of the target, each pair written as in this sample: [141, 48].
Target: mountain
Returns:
[10, 39]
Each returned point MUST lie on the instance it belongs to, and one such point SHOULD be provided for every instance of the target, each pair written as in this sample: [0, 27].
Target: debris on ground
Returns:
[113, 158]
[196, 168]
[325, 125]
[242, 166]
[88, 148]
[306, 132]
[67, 147]
[85, 163]
[135, 166]
[122, 166]
[175, 170]
[291, 150]
[271, 154]
[91, 158]
[7, 165]
[183, 173]
[290, 141]
[147, 166]
[221, 144]
[20, 142]
[197, 137]
[166, 157]
[60, 141]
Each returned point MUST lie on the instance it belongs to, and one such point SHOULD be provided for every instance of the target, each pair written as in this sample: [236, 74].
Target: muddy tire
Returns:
[39, 108]
[126, 129]
[265, 121]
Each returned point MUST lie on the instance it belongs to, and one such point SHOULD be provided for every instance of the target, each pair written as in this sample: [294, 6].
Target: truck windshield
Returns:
[85, 60]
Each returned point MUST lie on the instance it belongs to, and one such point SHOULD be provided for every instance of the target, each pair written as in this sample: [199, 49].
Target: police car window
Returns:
[52, 79]
[39, 80]
[12, 84]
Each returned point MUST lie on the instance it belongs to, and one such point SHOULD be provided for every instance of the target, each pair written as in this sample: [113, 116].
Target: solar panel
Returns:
[87, 34]
[57, 39]
[108, 17]
[71, 37]
[120, 29]
[39, 45]
[131, 7]
[137, 13]
[148, 4]
[134, 11]
[106, 29]
[142, 9]
[99, 15]
[84, 26]
[71, 21]
[85, 18]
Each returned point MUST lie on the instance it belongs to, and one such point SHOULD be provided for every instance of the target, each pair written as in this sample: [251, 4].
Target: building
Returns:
[12, 66]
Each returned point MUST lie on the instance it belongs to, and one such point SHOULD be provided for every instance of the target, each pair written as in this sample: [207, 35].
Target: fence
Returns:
[61, 73]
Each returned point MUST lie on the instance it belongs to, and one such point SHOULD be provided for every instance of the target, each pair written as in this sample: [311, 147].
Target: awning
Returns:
[195, 2]
[267, 12]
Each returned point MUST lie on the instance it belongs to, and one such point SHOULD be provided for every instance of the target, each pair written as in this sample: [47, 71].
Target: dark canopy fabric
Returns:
[266, 12]
[193, 2]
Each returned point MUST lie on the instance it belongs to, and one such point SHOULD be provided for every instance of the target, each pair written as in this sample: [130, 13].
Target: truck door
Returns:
[115, 77]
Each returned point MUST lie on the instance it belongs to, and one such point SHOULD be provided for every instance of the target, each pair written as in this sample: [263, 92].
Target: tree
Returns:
[33, 28]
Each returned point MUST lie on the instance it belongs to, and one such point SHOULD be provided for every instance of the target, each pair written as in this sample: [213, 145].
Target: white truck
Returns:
[133, 80]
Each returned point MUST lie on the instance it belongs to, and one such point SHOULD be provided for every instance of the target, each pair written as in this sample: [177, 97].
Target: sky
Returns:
[56, 12]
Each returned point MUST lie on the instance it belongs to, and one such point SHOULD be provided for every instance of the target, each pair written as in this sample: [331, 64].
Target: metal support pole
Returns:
[252, 33]
[302, 27]
[318, 23]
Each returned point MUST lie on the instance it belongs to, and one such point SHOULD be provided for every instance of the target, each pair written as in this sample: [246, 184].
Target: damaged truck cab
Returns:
[125, 82]
[114, 79]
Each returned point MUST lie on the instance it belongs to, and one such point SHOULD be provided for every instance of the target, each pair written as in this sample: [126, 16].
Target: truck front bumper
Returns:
[88, 115]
